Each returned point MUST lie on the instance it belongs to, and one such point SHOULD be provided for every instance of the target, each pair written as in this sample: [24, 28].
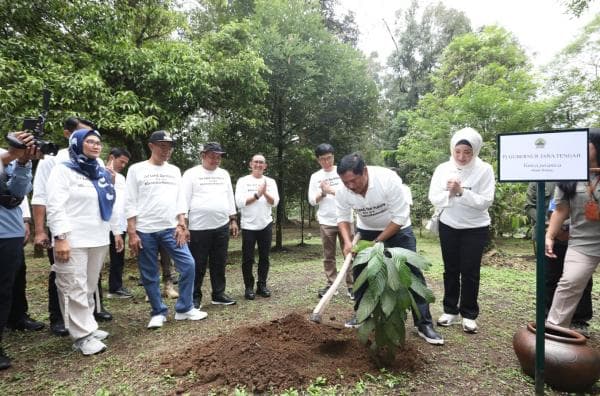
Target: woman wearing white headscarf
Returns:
[463, 189]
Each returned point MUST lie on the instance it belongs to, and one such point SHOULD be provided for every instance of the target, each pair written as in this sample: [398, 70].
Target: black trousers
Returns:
[54, 312]
[11, 260]
[209, 249]
[554, 268]
[19, 306]
[250, 238]
[117, 263]
[462, 250]
[404, 239]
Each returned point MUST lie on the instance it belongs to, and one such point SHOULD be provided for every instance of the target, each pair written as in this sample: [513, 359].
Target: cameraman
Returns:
[15, 183]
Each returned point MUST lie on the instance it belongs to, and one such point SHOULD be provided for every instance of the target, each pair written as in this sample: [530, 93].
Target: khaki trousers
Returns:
[329, 234]
[77, 281]
[577, 271]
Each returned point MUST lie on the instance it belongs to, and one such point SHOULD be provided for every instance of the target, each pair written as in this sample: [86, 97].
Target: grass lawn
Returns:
[483, 363]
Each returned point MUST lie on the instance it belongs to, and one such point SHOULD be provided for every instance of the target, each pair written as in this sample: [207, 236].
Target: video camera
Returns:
[35, 126]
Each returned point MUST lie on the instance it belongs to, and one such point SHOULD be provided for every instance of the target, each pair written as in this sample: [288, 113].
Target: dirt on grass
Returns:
[281, 354]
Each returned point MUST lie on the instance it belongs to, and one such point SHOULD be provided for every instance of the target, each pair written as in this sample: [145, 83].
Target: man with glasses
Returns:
[208, 194]
[255, 196]
[155, 211]
[321, 191]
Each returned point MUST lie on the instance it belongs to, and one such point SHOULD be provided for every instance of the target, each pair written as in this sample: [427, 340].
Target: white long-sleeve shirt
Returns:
[72, 207]
[258, 214]
[383, 203]
[209, 198]
[326, 214]
[121, 192]
[154, 196]
[471, 209]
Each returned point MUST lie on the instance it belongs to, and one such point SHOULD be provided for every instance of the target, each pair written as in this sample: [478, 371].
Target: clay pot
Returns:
[570, 365]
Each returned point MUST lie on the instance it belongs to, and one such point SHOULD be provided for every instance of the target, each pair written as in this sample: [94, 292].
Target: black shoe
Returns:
[352, 323]
[4, 360]
[249, 294]
[58, 328]
[103, 316]
[430, 335]
[120, 293]
[324, 290]
[263, 291]
[197, 303]
[26, 324]
[350, 294]
[223, 299]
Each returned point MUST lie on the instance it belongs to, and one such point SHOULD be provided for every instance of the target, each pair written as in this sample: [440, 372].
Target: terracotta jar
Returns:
[570, 365]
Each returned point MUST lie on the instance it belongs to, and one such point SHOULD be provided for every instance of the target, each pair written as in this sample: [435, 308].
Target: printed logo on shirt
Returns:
[372, 210]
[211, 180]
[159, 178]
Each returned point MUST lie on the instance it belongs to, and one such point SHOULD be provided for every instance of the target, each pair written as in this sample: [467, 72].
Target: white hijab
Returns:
[474, 139]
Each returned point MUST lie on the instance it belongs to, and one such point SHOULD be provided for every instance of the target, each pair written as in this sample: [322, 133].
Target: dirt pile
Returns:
[284, 353]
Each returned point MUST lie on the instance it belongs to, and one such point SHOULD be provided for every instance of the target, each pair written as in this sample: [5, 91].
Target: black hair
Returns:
[463, 141]
[119, 151]
[71, 123]
[324, 148]
[568, 187]
[352, 162]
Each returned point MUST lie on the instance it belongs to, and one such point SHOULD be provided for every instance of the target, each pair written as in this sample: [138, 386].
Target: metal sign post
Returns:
[540, 157]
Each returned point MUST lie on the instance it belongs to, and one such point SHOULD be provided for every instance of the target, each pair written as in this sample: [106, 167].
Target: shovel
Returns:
[315, 316]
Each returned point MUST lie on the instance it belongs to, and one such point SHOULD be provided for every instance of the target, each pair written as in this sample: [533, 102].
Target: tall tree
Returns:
[574, 80]
[484, 82]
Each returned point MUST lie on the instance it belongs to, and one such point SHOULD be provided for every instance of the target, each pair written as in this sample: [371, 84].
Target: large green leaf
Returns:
[375, 265]
[358, 282]
[393, 278]
[388, 302]
[419, 287]
[392, 334]
[363, 256]
[403, 301]
[378, 282]
[411, 257]
[365, 330]
[367, 305]
[404, 274]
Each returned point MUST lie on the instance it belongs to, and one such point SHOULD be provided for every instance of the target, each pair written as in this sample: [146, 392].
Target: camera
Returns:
[35, 126]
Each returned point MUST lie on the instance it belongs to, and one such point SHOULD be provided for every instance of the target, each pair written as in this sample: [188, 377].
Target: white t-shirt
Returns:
[383, 203]
[326, 214]
[209, 198]
[154, 196]
[121, 192]
[471, 209]
[258, 214]
[72, 207]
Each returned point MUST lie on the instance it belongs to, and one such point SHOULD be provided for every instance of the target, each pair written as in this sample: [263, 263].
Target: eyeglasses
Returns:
[258, 162]
[96, 143]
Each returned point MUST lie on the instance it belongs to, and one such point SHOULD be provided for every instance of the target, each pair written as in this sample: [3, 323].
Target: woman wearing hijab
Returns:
[579, 201]
[81, 196]
[463, 190]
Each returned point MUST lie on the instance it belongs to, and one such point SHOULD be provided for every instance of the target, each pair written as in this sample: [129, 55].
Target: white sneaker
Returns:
[192, 314]
[89, 345]
[448, 320]
[100, 334]
[469, 325]
[157, 321]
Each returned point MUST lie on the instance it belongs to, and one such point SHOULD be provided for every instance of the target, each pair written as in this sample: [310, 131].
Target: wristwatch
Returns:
[60, 237]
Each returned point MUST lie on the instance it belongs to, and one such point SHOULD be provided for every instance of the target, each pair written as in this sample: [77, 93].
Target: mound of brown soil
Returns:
[284, 353]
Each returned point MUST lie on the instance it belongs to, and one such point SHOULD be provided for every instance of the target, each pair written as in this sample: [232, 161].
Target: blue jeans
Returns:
[150, 273]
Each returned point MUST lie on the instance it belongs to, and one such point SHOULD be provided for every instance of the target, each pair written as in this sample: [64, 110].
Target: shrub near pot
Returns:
[570, 365]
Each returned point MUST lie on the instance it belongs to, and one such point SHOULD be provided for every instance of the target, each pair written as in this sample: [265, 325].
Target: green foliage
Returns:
[484, 82]
[383, 308]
